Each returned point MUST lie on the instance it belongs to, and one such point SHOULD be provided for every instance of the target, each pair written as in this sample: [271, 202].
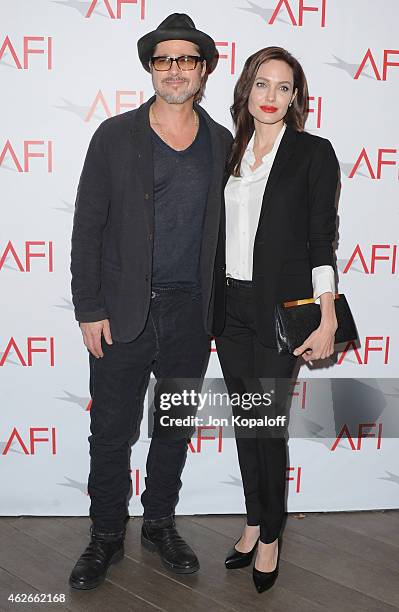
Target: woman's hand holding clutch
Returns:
[320, 343]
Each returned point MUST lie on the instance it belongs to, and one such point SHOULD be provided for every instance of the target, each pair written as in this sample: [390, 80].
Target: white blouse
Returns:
[243, 197]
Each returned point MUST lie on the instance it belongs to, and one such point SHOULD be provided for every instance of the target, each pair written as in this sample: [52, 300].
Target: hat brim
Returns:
[148, 42]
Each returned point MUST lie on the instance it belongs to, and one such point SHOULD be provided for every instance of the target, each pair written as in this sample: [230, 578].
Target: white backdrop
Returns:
[66, 65]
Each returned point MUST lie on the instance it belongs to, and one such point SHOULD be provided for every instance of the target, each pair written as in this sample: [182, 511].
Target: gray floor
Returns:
[329, 561]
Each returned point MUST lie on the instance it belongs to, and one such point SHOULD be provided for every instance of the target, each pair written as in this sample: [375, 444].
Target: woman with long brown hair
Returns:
[280, 226]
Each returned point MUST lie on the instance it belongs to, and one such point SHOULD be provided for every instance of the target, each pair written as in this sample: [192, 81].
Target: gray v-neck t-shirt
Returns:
[181, 183]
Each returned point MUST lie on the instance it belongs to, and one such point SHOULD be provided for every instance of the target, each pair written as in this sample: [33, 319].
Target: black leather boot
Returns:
[91, 568]
[161, 536]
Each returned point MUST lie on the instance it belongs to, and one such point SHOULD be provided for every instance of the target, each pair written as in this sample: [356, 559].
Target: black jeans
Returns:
[173, 344]
[244, 360]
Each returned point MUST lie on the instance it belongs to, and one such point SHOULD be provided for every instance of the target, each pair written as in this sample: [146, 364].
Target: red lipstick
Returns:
[269, 109]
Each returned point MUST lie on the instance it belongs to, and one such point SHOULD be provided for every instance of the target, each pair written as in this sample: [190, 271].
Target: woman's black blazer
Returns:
[296, 229]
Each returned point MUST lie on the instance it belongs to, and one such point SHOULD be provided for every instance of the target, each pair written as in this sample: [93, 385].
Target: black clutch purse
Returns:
[295, 321]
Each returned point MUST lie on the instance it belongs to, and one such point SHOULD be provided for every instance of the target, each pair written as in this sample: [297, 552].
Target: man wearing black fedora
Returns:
[145, 261]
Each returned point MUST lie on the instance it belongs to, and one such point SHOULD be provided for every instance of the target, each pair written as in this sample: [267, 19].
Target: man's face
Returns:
[175, 86]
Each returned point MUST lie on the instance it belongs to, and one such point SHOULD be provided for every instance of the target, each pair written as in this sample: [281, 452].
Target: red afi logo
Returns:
[135, 476]
[368, 57]
[115, 13]
[301, 391]
[375, 173]
[137, 98]
[32, 440]
[360, 435]
[217, 437]
[296, 477]
[22, 62]
[24, 262]
[31, 349]
[287, 5]
[391, 251]
[315, 108]
[24, 164]
[368, 348]
[230, 55]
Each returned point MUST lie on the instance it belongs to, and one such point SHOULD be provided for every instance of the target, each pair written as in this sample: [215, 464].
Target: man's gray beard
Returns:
[178, 99]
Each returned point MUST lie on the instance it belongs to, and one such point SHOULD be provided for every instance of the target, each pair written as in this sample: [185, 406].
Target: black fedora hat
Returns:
[177, 26]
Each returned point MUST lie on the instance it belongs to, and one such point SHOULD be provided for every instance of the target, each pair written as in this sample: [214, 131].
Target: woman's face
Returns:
[272, 91]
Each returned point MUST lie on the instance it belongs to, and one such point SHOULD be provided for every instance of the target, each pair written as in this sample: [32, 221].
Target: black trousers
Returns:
[262, 459]
[173, 345]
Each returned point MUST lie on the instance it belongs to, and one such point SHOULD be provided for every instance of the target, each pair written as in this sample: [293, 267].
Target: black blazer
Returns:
[113, 226]
[296, 229]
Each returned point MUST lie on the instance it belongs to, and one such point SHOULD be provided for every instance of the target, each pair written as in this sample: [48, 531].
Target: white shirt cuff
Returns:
[323, 280]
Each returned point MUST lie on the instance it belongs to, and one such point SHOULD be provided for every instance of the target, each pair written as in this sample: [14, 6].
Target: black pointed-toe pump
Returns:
[265, 580]
[236, 559]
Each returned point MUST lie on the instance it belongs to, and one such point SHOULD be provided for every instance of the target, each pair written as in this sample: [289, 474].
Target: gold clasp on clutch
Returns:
[304, 301]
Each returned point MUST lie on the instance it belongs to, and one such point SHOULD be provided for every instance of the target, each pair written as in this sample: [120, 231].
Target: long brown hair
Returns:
[242, 118]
